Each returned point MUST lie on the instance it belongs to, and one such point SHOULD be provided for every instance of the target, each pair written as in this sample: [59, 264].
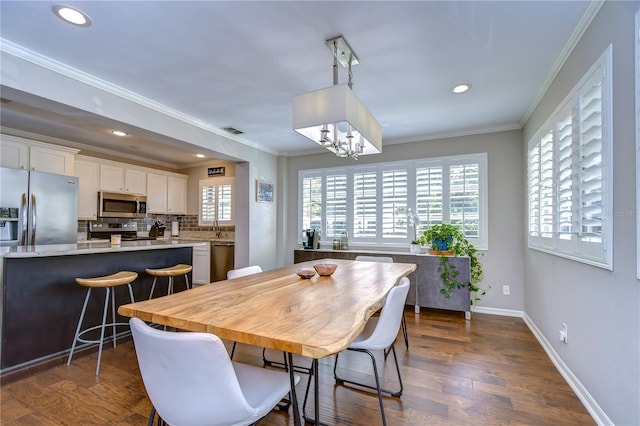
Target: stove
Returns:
[128, 231]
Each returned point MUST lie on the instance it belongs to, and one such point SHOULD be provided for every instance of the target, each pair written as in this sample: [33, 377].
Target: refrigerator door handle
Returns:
[25, 219]
[33, 219]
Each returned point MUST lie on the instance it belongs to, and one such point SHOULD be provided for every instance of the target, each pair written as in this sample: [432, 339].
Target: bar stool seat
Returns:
[108, 282]
[171, 271]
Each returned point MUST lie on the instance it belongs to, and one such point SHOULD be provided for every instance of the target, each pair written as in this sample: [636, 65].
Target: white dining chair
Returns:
[237, 273]
[191, 380]
[242, 272]
[386, 259]
[380, 333]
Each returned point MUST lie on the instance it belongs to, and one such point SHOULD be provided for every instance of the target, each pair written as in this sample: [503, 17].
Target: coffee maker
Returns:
[311, 239]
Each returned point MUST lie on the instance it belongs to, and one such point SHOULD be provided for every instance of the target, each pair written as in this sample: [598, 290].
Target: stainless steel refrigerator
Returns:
[37, 208]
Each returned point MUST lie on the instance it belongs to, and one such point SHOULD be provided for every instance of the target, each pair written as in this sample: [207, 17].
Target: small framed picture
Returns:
[264, 192]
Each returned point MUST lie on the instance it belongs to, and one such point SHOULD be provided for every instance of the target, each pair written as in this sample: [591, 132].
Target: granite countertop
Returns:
[92, 247]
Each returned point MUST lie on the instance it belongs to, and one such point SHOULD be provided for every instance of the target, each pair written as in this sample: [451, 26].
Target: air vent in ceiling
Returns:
[232, 130]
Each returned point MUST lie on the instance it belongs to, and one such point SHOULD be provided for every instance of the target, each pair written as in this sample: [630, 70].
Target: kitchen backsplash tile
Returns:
[186, 224]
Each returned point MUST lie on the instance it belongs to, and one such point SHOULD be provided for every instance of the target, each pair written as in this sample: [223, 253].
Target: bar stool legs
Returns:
[108, 283]
[170, 272]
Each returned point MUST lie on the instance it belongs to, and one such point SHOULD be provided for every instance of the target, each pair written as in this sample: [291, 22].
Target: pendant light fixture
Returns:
[334, 117]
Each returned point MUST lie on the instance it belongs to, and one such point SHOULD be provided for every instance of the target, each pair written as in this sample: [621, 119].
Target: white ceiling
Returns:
[239, 64]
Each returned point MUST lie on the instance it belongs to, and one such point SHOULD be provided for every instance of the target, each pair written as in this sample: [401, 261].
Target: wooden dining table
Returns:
[277, 309]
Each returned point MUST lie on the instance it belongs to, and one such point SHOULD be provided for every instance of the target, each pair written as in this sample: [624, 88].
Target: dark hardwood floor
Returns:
[489, 371]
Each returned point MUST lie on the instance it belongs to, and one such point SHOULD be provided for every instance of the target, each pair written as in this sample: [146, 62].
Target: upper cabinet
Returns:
[118, 178]
[87, 173]
[156, 193]
[19, 153]
[176, 195]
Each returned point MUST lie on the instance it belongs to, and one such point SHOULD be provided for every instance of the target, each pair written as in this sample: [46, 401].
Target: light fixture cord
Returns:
[335, 63]
[350, 76]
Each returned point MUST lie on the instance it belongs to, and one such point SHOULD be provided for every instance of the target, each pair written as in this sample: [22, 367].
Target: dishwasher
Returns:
[222, 257]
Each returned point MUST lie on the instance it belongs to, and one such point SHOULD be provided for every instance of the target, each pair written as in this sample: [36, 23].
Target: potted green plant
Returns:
[447, 240]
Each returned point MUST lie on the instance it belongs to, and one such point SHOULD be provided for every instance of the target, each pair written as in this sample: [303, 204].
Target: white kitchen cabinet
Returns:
[51, 160]
[87, 173]
[19, 153]
[176, 195]
[13, 154]
[115, 178]
[156, 193]
[201, 264]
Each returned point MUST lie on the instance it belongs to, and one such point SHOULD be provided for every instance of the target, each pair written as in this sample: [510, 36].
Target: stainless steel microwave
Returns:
[111, 204]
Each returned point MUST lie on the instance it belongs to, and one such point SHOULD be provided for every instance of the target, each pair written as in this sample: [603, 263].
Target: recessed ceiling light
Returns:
[118, 133]
[461, 88]
[200, 155]
[71, 15]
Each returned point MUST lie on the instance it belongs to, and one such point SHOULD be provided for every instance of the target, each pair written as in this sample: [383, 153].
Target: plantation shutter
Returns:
[464, 198]
[546, 186]
[534, 190]
[565, 150]
[225, 209]
[312, 202]
[365, 196]
[208, 207]
[429, 196]
[394, 197]
[336, 205]
[591, 191]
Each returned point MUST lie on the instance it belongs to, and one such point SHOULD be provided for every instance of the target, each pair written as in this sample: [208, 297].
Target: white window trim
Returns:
[217, 181]
[551, 245]
[411, 165]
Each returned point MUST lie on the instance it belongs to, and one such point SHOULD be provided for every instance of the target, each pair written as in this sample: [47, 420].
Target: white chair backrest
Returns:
[390, 318]
[241, 272]
[383, 259]
[189, 377]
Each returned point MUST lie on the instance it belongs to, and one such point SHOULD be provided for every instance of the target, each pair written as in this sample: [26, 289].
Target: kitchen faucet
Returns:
[217, 229]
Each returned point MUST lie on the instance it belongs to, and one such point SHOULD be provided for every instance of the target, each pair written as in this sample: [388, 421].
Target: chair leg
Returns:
[152, 416]
[113, 315]
[104, 321]
[233, 350]
[170, 290]
[186, 279]
[404, 331]
[75, 339]
[153, 286]
[340, 380]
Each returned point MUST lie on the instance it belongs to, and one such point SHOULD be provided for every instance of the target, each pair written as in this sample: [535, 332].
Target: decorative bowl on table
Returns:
[325, 269]
[305, 273]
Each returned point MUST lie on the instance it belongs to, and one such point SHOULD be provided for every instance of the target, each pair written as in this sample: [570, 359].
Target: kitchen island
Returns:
[41, 301]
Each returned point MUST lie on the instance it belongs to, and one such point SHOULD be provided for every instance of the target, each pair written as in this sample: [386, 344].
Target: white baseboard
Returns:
[599, 416]
[498, 311]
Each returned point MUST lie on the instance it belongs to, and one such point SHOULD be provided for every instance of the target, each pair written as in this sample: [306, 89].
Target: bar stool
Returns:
[171, 271]
[108, 282]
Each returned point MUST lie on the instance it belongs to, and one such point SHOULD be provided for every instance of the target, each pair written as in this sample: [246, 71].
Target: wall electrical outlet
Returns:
[506, 290]
[562, 334]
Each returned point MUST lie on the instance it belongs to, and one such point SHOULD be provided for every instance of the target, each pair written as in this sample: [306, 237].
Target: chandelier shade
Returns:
[334, 117]
[317, 115]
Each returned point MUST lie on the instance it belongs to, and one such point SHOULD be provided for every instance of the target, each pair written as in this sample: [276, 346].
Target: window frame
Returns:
[575, 247]
[216, 182]
[379, 168]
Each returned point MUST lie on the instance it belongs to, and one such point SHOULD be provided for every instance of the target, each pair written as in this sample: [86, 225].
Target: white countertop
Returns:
[92, 247]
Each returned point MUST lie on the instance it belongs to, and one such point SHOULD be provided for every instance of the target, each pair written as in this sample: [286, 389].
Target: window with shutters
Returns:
[569, 174]
[370, 202]
[216, 201]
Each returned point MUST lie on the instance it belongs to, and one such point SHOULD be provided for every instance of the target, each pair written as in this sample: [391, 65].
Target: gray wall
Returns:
[600, 307]
[503, 260]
